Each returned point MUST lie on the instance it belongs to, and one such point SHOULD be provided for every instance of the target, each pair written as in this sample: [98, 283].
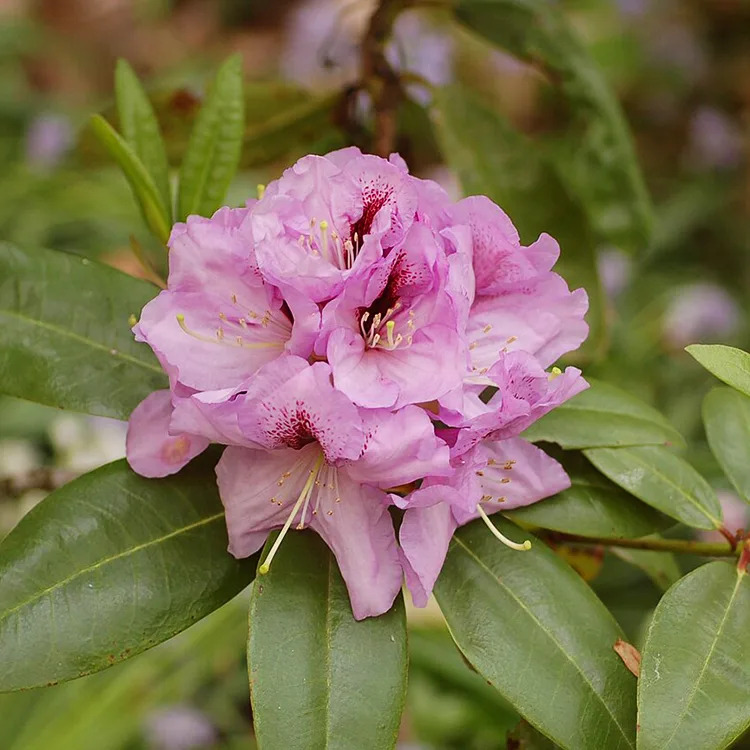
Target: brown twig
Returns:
[379, 77]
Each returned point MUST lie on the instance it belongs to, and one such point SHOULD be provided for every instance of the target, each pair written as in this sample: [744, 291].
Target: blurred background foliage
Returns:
[680, 69]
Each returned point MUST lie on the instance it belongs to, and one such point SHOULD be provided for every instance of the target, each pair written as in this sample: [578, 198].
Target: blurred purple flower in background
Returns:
[615, 270]
[321, 41]
[700, 312]
[180, 728]
[47, 140]
[714, 140]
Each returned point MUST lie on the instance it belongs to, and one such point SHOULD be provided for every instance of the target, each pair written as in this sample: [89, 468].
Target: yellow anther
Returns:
[132, 320]
[555, 372]
[261, 191]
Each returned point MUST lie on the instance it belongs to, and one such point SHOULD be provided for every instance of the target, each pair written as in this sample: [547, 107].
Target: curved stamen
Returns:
[303, 499]
[504, 539]
[220, 339]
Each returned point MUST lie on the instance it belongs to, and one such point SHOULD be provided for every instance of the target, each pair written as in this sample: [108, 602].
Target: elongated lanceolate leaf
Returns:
[65, 339]
[213, 152]
[592, 506]
[318, 678]
[725, 362]
[726, 416]
[694, 688]
[529, 624]
[155, 212]
[595, 157]
[108, 566]
[140, 128]
[663, 480]
[603, 416]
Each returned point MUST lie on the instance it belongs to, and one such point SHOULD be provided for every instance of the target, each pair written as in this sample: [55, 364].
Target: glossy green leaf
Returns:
[318, 678]
[491, 158]
[595, 156]
[694, 689]
[592, 506]
[108, 566]
[536, 631]
[603, 416]
[663, 480]
[725, 362]
[213, 152]
[155, 212]
[726, 416]
[140, 128]
[65, 340]
[660, 567]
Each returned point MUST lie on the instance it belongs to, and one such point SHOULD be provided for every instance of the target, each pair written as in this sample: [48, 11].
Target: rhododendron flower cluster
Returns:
[359, 341]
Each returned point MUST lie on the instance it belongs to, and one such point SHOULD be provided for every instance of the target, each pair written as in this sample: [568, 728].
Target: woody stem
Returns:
[684, 546]
[379, 77]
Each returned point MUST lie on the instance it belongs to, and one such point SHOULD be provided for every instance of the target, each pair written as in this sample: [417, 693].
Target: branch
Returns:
[379, 77]
[705, 549]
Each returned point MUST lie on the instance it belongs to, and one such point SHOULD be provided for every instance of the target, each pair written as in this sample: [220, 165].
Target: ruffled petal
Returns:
[401, 447]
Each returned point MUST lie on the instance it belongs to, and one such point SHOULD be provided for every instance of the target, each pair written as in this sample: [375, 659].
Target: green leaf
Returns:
[592, 506]
[108, 566]
[726, 416]
[660, 567]
[536, 631]
[663, 480]
[603, 416]
[596, 157]
[140, 128]
[725, 362]
[64, 333]
[293, 131]
[318, 678]
[155, 212]
[491, 158]
[213, 152]
[694, 689]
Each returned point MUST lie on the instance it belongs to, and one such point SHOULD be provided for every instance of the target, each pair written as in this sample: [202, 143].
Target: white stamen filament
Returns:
[238, 341]
[504, 539]
[303, 499]
[371, 333]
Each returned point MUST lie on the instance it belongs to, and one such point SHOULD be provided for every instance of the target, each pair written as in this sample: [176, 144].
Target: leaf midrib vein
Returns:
[495, 578]
[106, 560]
[89, 342]
[677, 487]
[694, 689]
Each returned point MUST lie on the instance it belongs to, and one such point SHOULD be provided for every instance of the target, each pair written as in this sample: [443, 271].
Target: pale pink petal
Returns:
[151, 450]
[515, 473]
[291, 403]
[424, 536]
[360, 533]
[401, 447]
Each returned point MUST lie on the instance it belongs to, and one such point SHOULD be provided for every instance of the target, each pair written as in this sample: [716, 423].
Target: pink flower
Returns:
[327, 217]
[322, 331]
[382, 333]
[313, 458]
[219, 321]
